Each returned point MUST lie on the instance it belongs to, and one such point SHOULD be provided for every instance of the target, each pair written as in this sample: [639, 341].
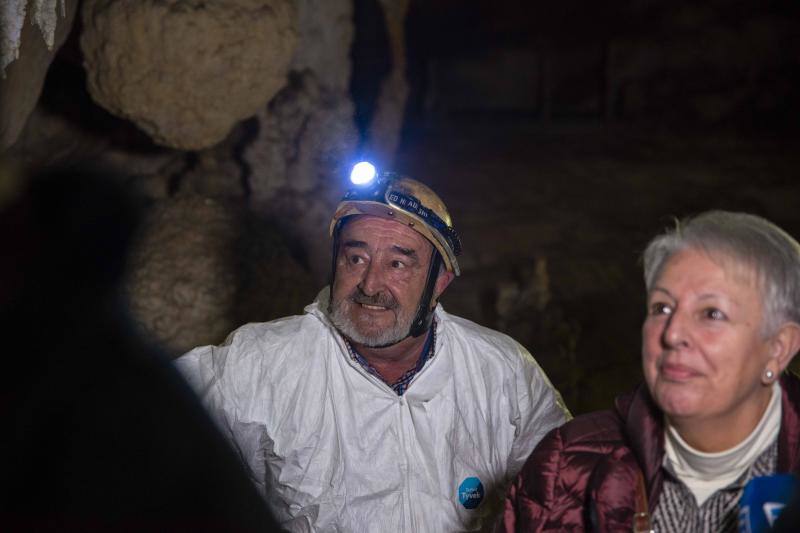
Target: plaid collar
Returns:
[402, 383]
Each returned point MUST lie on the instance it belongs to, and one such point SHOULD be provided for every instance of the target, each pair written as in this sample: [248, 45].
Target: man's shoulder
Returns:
[274, 330]
[262, 342]
[486, 343]
[266, 338]
[257, 356]
[465, 328]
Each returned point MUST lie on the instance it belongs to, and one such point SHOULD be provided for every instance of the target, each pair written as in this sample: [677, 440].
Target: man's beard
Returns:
[338, 314]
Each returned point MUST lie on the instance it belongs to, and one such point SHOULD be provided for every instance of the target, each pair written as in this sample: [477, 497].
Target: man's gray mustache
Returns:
[378, 299]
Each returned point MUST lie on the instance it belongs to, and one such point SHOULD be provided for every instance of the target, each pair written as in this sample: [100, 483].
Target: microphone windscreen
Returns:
[763, 500]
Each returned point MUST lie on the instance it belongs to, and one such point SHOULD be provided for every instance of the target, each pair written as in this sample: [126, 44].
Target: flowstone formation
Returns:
[186, 71]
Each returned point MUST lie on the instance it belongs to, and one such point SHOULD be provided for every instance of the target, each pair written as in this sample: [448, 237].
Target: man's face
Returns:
[381, 269]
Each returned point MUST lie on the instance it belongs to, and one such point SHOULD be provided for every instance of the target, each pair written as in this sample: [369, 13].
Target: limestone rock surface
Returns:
[384, 131]
[186, 71]
[325, 35]
[306, 136]
[300, 160]
[202, 267]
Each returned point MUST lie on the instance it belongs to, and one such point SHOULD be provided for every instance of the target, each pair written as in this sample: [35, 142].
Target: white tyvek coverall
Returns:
[333, 448]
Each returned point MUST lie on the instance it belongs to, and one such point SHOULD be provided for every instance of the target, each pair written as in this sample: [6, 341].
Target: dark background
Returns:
[564, 135]
[561, 135]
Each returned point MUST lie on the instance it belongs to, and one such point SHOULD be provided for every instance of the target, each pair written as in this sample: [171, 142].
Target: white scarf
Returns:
[705, 473]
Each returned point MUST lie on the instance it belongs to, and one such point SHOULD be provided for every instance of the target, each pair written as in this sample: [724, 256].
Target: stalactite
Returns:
[12, 19]
[44, 15]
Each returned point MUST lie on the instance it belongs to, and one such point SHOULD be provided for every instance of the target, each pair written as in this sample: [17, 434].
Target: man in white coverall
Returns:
[376, 410]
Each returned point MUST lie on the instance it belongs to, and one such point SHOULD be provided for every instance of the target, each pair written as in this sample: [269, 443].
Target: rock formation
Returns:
[281, 171]
[29, 39]
[387, 122]
[203, 267]
[186, 71]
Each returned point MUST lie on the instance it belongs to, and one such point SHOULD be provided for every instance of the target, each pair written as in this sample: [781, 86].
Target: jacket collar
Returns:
[789, 437]
[644, 429]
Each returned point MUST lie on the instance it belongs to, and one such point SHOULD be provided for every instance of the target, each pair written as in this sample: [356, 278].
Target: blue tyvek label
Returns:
[470, 492]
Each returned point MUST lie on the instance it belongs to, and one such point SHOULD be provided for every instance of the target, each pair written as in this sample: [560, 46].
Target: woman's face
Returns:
[703, 352]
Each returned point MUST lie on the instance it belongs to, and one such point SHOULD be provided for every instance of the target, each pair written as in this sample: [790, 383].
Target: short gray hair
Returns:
[771, 253]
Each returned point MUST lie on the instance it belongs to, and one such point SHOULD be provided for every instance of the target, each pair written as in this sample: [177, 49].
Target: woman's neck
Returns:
[704, 473]
[720, 433]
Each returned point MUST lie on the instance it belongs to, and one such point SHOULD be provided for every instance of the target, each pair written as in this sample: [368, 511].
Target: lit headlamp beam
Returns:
[363, 173]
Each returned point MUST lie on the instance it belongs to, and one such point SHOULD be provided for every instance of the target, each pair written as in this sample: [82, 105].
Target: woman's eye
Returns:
[660, 308]
[714, 314]
[356, 260]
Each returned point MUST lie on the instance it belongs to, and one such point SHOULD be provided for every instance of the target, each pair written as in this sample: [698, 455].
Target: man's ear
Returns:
[783, 346]
[442, 281]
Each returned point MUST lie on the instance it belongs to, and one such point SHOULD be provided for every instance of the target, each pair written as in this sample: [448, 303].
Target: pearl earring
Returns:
[769, 374]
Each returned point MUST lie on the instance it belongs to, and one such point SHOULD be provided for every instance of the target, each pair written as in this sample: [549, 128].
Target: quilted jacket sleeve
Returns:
[552, 491]
[536, 499]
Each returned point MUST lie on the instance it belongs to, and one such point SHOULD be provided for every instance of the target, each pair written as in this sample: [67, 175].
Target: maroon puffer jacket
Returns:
[582, 476]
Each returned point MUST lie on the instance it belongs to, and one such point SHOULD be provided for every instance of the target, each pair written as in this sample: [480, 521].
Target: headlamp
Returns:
[381, 190]
[363, 173]
[392, 196]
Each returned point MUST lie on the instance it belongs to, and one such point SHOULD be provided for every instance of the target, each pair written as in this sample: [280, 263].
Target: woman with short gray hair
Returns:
[770, 253]
[716, 409]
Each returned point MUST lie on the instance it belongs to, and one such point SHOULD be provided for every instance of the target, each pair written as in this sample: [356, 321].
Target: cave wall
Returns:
[233, 119]
[237, 119]
[185, 72]
[39, 30]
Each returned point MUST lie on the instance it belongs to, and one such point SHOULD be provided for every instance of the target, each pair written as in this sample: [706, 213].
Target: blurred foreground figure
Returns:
[99, 433]
[717, 416]
[376, 410]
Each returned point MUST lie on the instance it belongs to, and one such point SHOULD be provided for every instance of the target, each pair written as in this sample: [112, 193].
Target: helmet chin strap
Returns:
[422, 322]
[334, 257]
